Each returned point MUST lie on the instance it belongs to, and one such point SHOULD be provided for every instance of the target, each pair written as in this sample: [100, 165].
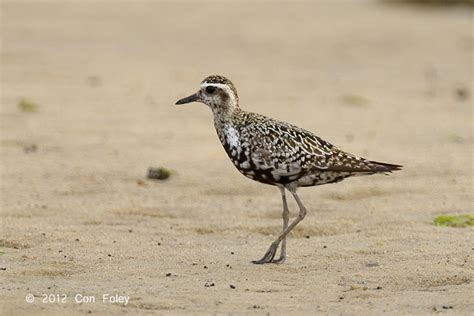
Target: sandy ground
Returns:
[375, 79]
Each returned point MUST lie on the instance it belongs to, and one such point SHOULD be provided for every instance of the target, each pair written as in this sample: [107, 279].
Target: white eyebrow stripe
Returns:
[218, 85]
[224, 87]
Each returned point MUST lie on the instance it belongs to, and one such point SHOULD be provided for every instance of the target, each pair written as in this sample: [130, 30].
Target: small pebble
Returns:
[93, 81]
[168, 274]
[159, 173]
[462, 93]
[30, 148]
[232, 286]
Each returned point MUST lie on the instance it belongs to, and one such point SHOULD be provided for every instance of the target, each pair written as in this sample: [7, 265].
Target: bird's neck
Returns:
[227, 130]
[224, 115]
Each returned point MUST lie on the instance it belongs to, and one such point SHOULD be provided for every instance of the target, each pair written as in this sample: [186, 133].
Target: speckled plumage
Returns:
[278, 153]
[275, 152]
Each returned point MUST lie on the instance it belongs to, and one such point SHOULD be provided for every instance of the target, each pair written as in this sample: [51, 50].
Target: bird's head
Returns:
[217, 92]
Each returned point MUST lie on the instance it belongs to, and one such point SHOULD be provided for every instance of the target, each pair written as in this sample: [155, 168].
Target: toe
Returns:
[279, 260]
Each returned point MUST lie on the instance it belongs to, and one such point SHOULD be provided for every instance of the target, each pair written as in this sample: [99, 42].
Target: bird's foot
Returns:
[279, 260]
[269, 255]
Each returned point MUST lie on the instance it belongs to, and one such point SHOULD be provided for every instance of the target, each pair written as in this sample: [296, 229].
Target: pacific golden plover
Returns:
[277, 153]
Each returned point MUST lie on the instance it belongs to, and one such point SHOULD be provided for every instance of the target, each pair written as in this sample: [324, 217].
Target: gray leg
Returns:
[285, 216]
[270, 254]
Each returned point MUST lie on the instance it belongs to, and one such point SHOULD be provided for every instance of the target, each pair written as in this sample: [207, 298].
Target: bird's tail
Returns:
[386, 167]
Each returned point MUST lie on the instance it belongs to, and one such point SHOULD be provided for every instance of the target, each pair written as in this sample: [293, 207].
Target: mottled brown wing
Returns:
[287, 150]
[291, 150]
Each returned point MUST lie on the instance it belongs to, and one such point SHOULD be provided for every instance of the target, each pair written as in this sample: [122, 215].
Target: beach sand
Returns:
[99, 80]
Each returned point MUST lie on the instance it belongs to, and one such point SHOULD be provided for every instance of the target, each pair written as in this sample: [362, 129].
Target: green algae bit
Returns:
[465, 220]
[27, 106]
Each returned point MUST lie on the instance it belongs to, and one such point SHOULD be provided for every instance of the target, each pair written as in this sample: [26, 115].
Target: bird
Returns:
[277, 153]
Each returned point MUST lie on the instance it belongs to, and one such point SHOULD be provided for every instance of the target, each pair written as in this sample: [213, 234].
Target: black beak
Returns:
[191, 98]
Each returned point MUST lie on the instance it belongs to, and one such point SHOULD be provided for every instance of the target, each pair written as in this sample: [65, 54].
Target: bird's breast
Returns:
[230, 139]
[237, 146]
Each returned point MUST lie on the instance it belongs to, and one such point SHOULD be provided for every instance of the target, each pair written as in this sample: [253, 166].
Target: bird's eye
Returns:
[210, 89]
